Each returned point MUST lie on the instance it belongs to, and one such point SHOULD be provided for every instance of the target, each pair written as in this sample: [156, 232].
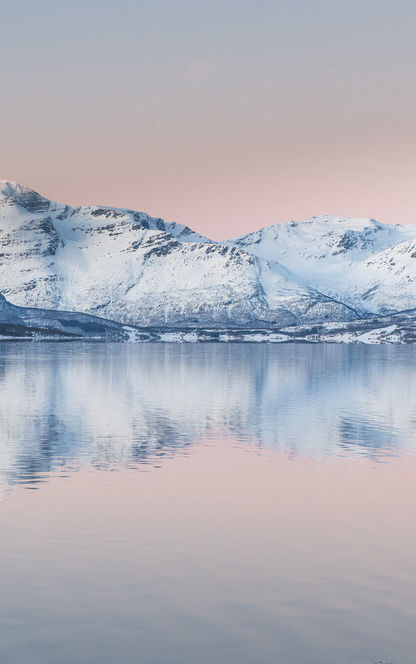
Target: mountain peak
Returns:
[10, 188]
[13, 193]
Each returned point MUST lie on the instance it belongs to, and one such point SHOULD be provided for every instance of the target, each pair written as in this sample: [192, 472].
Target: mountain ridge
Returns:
[127, 266]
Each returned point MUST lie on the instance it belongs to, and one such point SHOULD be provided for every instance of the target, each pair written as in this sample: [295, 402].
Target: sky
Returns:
[225, 115]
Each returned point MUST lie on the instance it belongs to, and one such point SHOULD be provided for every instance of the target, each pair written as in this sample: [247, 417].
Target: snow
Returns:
[362, 263]
[139, 270]
[127, 266]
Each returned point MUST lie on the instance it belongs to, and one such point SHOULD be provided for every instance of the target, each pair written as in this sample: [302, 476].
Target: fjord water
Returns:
[186, 504]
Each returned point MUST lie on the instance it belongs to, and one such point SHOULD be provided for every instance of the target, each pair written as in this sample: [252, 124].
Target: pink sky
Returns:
[224, 198]
[226, 116]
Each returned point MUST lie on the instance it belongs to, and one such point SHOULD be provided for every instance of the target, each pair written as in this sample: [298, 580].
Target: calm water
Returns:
[212, 504]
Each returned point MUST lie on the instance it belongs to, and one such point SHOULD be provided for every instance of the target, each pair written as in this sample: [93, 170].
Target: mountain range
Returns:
[137, 270]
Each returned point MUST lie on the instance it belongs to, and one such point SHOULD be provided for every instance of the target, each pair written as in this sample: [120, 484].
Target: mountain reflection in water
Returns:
[72, 406]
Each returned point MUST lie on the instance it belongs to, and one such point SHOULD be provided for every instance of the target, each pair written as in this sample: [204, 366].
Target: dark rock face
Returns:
[347, 242]
[30, 201]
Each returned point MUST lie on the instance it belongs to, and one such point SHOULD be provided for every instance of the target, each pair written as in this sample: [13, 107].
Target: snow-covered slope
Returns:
[132, 268]
[365, 264]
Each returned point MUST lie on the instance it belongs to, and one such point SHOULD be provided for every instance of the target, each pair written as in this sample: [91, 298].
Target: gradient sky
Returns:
[226, 115]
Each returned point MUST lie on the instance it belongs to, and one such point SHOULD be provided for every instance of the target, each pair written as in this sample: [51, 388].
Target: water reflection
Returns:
[108, 406]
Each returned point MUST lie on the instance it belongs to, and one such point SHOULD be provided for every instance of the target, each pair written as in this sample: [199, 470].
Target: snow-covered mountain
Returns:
[365, 264]
[132, 268]
[127, 266]
[28, 324]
